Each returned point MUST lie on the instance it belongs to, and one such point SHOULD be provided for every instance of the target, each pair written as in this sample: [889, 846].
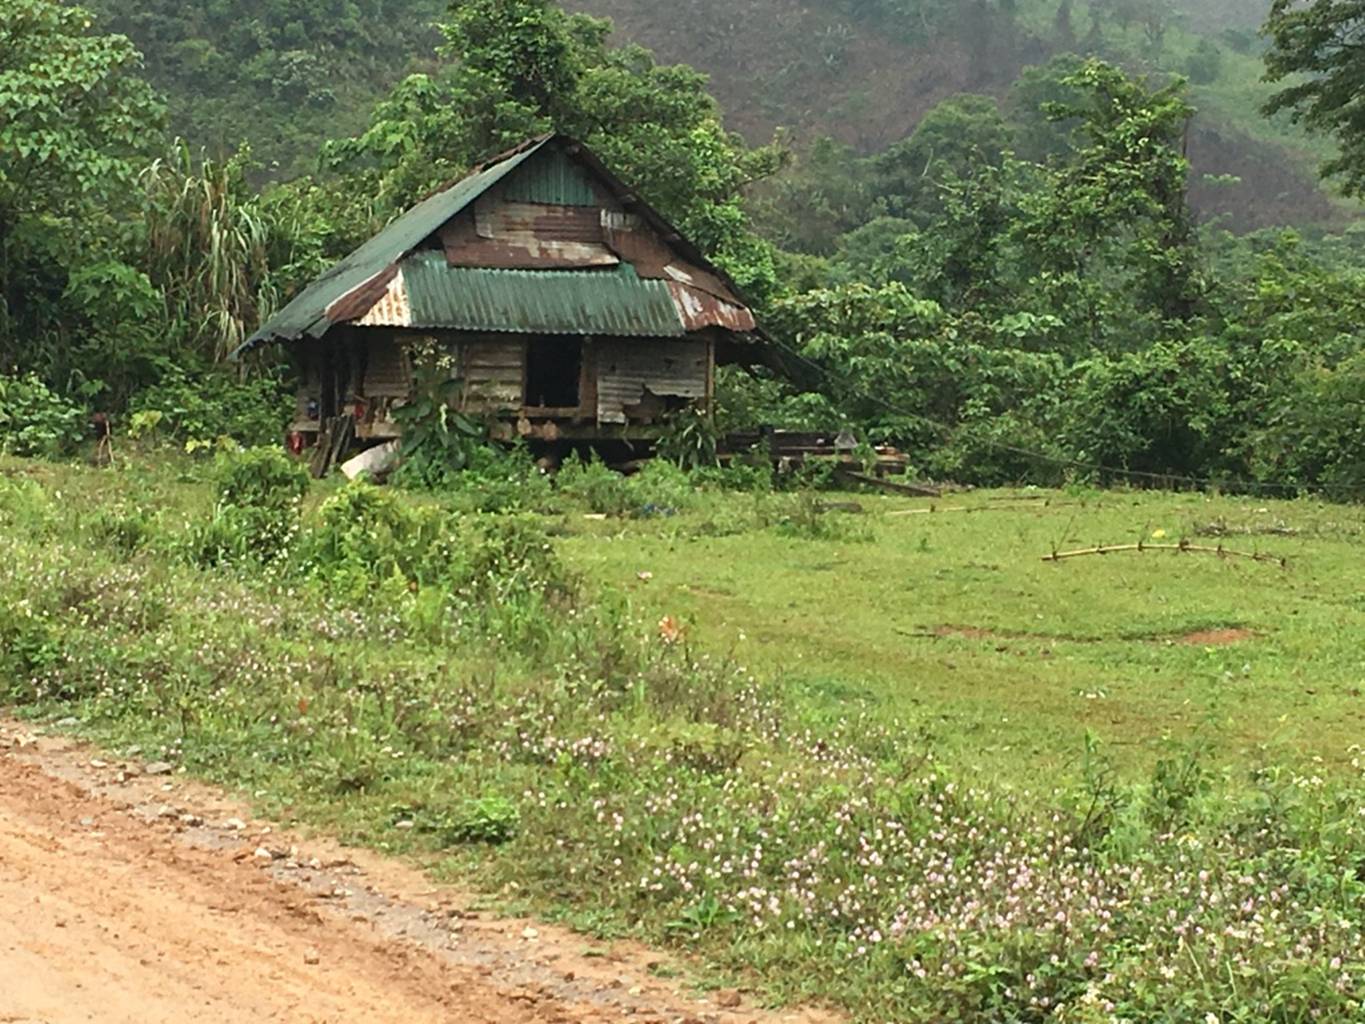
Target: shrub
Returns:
[752, 478]
[34, 421]
[365, 534]
[501, 481]
[660, 488]
[593, 484]
[260, 478]
[689, 440]
[209, 403]
[256, 518]
[510, 556]
[28, 645]
[1316, 434]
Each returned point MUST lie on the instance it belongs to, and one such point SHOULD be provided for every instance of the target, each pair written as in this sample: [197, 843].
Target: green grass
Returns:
[893, 763]
[951, 620]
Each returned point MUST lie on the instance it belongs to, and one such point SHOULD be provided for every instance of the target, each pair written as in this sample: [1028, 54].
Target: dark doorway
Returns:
[553, 368]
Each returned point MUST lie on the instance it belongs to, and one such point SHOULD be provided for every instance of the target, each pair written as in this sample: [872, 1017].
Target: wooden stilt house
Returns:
[568, 308]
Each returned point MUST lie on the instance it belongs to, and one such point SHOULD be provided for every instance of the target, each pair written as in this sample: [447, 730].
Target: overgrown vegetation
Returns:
[471, 679]
[1016, 292]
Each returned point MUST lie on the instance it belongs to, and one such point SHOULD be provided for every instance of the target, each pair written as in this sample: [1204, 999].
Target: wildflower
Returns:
[670, 631]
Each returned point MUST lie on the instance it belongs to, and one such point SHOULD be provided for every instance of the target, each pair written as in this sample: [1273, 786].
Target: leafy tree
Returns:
[77, 123]
[1122, 196]
[1039, 134]
[956, 140]
[824, 193]
[1320, 46]
[518, 67]
[1205, 64]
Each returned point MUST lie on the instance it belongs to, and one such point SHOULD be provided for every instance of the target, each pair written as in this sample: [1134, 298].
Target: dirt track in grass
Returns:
[134, 897]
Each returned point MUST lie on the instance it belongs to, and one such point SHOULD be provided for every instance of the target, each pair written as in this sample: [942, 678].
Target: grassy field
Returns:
[950, 620]
[886, 759]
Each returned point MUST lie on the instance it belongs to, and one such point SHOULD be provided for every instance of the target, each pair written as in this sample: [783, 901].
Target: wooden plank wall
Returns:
[493, 370]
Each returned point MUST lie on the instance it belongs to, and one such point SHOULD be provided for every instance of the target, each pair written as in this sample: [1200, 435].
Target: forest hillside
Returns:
[286, 76]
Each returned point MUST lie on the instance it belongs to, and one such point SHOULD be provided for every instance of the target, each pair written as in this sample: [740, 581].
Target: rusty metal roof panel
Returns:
[612, 302]
[307, 313]
[392, 308]
[699, 310]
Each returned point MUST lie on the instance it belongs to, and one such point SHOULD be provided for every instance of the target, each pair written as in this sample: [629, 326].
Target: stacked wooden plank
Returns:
[792, 448]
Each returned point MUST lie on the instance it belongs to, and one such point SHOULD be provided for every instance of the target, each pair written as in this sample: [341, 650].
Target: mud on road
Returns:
[129, 897]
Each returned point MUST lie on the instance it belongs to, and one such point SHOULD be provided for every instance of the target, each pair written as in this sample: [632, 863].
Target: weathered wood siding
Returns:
[388, 371]
[493, 372]
[626, 370]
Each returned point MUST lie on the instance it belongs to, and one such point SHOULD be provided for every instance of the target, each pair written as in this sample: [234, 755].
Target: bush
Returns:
[1316, 435]
[209, 403]
[660, 488]
[501, 481]
[366, 534]
[260, 478]
[256, 518]
[593, 484]
[749, 478]
[509, 556]
[34, 421]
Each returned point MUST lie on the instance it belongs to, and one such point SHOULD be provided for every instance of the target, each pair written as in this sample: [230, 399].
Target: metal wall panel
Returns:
[626, 370]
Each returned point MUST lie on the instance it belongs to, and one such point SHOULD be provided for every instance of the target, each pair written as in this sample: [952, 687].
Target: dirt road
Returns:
[129, 896]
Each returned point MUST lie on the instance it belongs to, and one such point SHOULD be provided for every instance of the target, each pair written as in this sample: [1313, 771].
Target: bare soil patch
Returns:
[130, 896]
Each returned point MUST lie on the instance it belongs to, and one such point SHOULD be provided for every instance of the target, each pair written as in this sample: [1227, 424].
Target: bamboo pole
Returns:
[1184, 547]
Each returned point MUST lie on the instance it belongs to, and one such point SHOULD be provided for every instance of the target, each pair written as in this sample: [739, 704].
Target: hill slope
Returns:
[864, 73]
[286, 76]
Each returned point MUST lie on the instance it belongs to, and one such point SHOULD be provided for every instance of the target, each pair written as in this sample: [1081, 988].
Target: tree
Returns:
[1122, 194]
[519, 67]
[77, 116]
[77, 121]
[958, 139]
[1320, 46]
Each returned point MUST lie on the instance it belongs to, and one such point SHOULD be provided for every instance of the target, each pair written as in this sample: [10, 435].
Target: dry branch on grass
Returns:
[1184, 547]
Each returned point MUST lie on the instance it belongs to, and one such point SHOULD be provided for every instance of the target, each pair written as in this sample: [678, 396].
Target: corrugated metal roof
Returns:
[556, 180]
[363, 288]
[615, 302]
[307, 313]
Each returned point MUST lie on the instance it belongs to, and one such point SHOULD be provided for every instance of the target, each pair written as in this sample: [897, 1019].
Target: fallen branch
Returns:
[1024, 507]
[896, 487]
[1184, 547]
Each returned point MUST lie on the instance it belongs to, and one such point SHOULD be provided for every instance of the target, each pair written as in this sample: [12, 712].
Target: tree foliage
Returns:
[515, 68]
[77, 122]
[1319, 47]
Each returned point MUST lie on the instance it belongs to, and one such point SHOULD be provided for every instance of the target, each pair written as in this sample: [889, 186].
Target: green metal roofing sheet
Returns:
[554, 179]
[306, 314]
[614, 302]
